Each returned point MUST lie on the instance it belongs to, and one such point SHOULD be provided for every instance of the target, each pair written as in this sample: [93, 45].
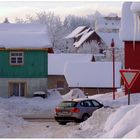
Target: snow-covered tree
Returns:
[119, 55]
[89, 47]
[53, 23]
[58, 30]
[72, 22]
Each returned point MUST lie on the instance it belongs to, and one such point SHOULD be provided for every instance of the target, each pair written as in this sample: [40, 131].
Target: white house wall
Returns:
[33, 84]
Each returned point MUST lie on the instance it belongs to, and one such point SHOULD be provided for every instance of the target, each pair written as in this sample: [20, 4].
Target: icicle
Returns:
[134, 35]
[138, 23]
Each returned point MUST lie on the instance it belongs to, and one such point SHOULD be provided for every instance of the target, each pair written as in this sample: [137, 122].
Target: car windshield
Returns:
[68, 104]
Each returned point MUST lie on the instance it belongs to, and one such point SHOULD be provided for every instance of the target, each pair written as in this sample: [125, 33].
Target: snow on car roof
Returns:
[76, 100]
[24, 36]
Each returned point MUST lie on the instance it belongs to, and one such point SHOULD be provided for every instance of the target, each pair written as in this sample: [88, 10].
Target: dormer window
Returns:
[16, 58]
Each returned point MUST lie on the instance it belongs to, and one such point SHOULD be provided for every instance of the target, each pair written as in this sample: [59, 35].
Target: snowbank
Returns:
[73, 94]
[123, 121]
[35, 107]
[121, 99]
[54, 95]
[135, 133]
[130, 120]
[118, 122]
[93, 127]
[117, 116]
[10, 122]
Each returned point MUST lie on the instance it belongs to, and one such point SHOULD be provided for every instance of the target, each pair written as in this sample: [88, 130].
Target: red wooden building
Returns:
[130, 34]
[132, 61]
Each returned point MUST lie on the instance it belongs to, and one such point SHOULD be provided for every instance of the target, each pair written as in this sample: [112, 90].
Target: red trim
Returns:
[129, 85]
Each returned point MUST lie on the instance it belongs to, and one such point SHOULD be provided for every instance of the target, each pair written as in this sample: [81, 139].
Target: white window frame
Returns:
[16, 57]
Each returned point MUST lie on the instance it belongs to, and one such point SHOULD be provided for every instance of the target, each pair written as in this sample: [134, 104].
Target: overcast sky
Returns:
[13, 9]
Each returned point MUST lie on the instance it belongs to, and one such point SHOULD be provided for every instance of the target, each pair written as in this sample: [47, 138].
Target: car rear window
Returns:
[68, 104]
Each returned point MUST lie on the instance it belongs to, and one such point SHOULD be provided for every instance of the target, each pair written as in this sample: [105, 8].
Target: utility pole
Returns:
[113, 66]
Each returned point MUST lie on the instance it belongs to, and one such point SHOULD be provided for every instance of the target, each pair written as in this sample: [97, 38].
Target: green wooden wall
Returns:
[35, 65]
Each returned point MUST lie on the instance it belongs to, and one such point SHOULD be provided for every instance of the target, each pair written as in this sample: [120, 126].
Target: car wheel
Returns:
[62, 123]
[85, 117]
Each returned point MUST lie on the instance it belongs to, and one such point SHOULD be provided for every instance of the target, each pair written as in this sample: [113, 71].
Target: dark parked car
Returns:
[76, 110]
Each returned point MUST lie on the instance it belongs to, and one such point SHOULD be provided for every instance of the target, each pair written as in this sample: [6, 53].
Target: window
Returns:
[60, 84]
[67, 104]
[95, 103]
[16, 58]
[86, 104]
[17, 88]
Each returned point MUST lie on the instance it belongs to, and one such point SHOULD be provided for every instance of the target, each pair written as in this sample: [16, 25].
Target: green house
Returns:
[23, 59]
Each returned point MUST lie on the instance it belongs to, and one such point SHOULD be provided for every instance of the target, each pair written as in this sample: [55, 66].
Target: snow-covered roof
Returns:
[89, 74]
[107, 38]
[57, 62]
[83, 32]
[24, 36]
[83, 38]
[129, 30]
[75, 32]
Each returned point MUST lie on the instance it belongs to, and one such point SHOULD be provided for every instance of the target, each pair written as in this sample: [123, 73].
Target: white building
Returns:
[107, 24]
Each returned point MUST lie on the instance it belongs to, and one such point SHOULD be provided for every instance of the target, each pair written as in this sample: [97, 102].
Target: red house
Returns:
[130, 34]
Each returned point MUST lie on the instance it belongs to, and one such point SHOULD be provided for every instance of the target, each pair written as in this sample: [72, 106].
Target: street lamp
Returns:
[113, 63]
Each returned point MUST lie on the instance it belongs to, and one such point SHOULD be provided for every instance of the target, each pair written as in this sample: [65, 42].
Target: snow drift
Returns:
[93, 127]
[73, 94]
[10, 122]
[128, 120]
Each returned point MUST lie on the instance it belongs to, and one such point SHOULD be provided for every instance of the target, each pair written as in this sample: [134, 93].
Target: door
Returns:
[17, 89]
[87, 107]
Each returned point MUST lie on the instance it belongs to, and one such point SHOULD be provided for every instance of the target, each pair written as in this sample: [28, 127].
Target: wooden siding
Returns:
[132, 61]
[52, 83]
[35, 65]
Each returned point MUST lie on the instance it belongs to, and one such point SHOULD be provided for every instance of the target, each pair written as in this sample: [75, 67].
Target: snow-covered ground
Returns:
[116, 121]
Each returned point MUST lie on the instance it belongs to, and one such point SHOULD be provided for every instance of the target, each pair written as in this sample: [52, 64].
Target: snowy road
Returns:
[46, 128]
[43, 129]
[39, 120]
